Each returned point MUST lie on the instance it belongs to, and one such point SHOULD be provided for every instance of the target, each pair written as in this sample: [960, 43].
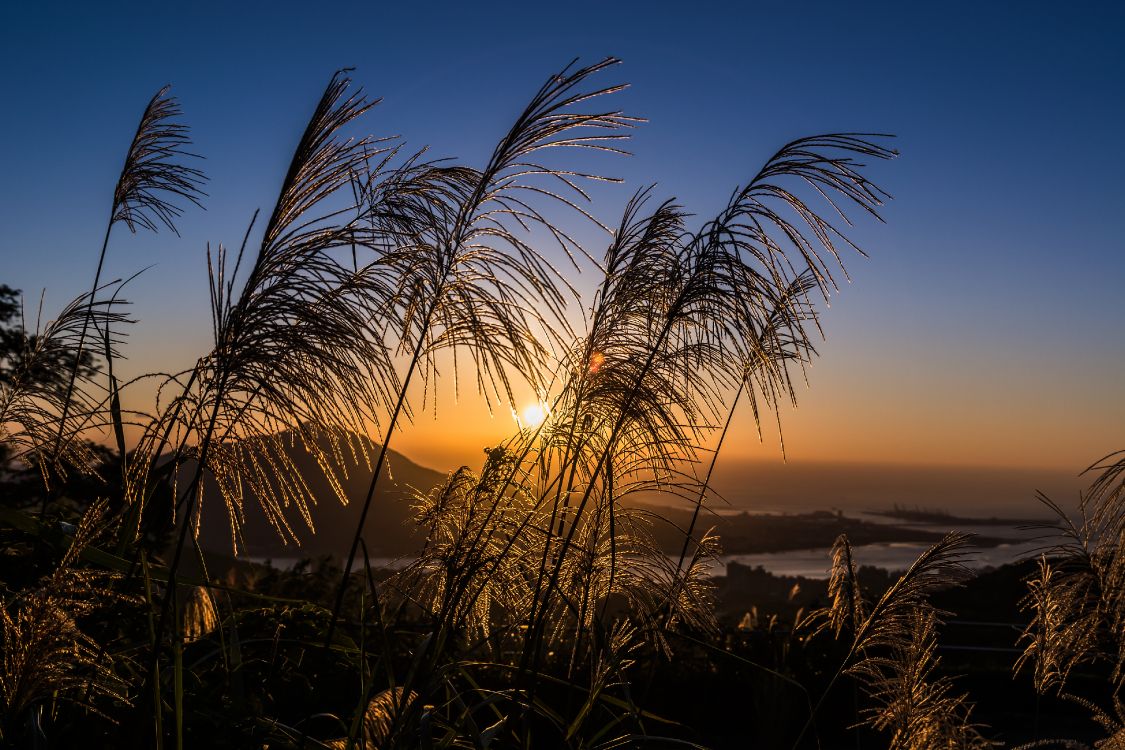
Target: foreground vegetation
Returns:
[541, 611]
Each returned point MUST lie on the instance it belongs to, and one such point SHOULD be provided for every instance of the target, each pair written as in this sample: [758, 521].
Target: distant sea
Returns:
[814, 563]
[858, 489]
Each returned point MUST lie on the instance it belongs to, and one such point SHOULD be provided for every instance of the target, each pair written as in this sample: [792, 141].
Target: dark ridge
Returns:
[388, 531]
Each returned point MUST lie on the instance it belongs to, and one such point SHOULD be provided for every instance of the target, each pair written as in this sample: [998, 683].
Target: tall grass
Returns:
[1077, 598]
[151, 182]
[891, 649]
[540, 586]
[51, 390]
[467, 277]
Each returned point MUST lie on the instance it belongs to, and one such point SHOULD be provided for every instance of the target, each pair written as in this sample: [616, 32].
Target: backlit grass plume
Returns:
[767, 356]
[471, 575]
[888, 621]
[911, 702]
[469, 278]
[154, 177]
[49, 394]
[720, 302]
[383, 714]
[483, 549]
[475, 581]
[1112, 722]
[1077, 596]
[290, 363]
[889, 649]
[200, 616]
[46, 655]
[847, 609]
[153, 183]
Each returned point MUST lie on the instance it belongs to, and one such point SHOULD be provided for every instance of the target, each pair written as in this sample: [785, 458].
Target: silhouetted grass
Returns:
[540, 611]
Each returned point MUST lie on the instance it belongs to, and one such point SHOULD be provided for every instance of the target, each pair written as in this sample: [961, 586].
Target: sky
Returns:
[985, 329]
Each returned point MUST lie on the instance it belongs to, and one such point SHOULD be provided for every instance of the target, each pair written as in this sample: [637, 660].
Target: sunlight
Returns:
[532, 415]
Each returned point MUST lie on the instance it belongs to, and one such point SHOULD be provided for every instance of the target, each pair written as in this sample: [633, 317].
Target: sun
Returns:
[533, 415]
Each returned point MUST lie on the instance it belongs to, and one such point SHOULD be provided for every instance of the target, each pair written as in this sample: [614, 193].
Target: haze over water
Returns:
[798, 486]
[860, 490]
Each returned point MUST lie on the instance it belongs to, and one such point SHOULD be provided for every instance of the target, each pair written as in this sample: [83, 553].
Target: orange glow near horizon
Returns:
[846, 416]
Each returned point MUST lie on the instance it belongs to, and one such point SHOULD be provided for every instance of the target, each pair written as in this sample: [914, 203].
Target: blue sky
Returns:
[988, 326]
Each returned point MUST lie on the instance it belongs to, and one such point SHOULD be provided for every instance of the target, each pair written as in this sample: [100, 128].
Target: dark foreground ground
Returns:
[751, 684]
[979, 647]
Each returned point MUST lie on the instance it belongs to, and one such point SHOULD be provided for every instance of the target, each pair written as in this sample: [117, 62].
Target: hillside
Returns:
[749, 533]
[387, 532]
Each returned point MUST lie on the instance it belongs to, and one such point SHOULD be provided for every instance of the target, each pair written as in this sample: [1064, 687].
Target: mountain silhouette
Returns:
[388, 530]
